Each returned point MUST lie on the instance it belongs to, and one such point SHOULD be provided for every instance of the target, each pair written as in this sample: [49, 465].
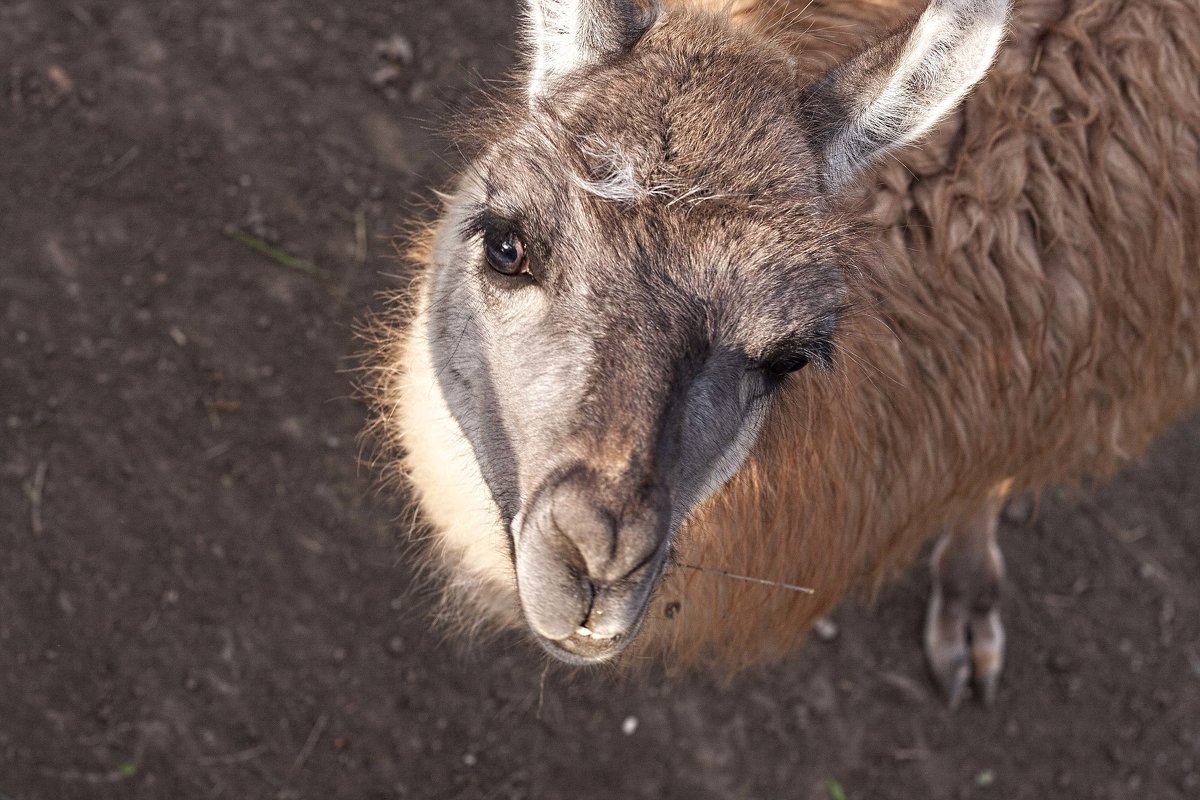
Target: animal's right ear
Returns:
[565, 35]
[898, 88]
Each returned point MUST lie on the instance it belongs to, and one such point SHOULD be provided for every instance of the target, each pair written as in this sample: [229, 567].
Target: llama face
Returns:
[641, 257]
[616, 301]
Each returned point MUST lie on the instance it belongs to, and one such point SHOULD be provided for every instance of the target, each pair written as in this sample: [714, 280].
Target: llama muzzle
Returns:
[587, 558]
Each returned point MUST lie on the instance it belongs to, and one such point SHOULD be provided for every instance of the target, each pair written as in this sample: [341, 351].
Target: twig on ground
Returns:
[542, 689]
[121, 163]
[34, 490]
[14, 74]
[305, 751]
[122, 773]
[359, 220]
[360, 236]
[80, 13]
[240, 757]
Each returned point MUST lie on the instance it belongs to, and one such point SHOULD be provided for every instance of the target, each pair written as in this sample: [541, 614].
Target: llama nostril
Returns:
[587, 533]
[599, 544]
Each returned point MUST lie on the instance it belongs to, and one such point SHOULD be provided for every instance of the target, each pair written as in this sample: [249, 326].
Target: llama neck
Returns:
[853, 467]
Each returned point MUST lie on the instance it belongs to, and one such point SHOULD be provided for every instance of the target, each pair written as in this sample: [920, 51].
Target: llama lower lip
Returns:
[601, 638]
[582, 650]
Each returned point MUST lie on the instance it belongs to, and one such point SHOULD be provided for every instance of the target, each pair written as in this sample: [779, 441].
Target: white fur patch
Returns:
[620, 186]
[555, 28]
[452, 492]
[619, 181]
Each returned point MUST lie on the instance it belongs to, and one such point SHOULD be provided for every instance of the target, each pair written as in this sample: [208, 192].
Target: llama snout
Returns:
[587, 557]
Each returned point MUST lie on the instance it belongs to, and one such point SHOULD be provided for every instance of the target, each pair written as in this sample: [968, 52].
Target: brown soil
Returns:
[202, 596]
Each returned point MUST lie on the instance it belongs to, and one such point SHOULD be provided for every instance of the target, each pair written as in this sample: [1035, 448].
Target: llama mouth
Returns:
[585, 647]
[612, 616]
[584, 573]
[582, 651]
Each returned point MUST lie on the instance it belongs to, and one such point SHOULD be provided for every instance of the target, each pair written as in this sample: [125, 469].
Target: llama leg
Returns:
[963, 633]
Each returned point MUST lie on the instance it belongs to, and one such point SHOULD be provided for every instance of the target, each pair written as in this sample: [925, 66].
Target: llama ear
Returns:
[564, 35]
[895, 90]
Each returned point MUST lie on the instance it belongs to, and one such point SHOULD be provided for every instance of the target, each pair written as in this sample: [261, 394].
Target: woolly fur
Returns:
[1031, 318]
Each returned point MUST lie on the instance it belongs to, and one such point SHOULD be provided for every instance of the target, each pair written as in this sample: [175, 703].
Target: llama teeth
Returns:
[591, 634]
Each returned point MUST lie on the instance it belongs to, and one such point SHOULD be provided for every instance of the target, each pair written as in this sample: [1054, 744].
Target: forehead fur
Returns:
[688, 153]
[697, 110]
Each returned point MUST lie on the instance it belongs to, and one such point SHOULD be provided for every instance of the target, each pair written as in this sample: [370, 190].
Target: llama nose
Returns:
[587, 529]
[610, 546]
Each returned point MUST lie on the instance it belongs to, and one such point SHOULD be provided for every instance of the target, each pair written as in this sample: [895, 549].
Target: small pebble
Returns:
[826, 629]
[629, 726]
[470, 759]
[397, 48]
[385, 75]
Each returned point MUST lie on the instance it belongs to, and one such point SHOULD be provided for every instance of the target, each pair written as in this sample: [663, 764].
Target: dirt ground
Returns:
[201, 592]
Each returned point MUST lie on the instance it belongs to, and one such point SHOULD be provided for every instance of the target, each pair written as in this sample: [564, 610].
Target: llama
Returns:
[777, 289]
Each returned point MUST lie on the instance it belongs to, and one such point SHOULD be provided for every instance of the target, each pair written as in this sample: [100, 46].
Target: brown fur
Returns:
[1027, 314]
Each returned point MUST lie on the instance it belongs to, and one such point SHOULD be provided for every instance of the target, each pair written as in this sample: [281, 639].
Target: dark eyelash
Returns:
[817, 349]
[485, 221]
[474, 225]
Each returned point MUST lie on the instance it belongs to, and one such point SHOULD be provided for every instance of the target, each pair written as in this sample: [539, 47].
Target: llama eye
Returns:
[781, 365]
[505, 253]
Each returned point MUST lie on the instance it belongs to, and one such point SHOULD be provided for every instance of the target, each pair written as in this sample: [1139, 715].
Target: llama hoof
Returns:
[946, 648]
[962, 644]
[987, 653]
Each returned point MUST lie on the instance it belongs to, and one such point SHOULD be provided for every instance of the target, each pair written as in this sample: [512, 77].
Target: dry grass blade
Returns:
[278, 255]
[791, 587]
[305, 751]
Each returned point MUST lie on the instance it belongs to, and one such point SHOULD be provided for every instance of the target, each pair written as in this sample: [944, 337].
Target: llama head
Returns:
[645, 250]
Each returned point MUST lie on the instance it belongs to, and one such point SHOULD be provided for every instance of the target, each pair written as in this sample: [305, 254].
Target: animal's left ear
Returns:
[565, 35]
[895, 90]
